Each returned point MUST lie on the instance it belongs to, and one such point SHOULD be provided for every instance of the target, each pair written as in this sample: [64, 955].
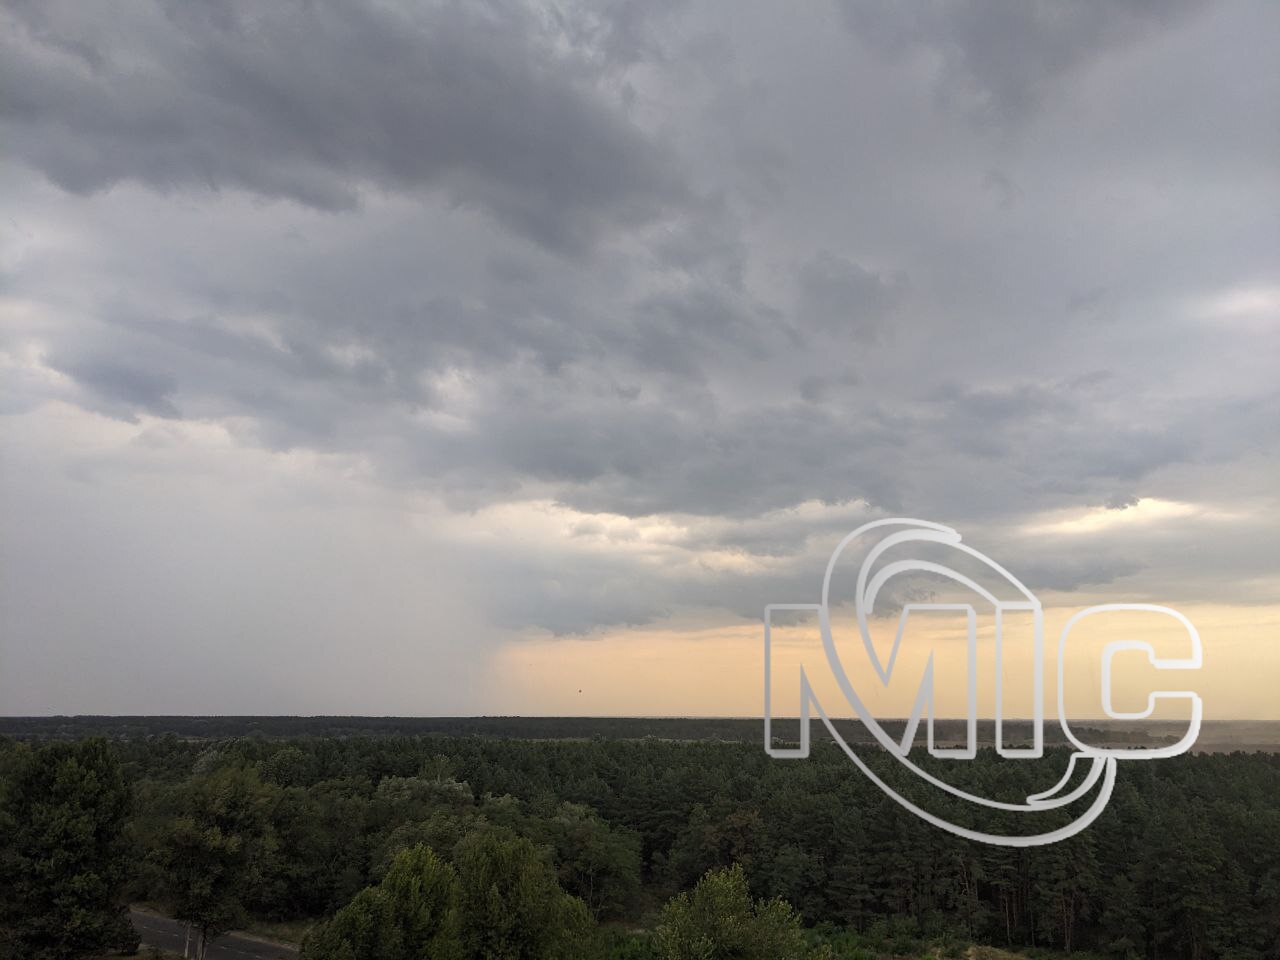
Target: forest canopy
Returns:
[621, 847]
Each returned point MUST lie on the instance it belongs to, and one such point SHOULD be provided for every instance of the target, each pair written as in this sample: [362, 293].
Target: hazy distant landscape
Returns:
[1216, 736]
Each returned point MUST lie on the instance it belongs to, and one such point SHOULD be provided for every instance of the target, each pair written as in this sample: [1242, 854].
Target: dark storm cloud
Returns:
[317, 103]
[657, 460]
[772, 290]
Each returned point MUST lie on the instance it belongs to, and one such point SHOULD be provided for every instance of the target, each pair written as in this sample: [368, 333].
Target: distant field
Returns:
[1215, 736]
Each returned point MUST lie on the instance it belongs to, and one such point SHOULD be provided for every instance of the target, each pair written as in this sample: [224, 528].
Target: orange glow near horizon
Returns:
[718, 670]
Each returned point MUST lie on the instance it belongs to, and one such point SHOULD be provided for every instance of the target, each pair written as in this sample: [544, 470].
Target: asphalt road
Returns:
[170, 934]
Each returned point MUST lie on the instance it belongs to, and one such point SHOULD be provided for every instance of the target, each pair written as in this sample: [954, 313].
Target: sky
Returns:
[498, 359]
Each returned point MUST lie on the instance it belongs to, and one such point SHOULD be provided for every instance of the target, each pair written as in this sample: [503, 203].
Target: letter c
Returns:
[1193, 662]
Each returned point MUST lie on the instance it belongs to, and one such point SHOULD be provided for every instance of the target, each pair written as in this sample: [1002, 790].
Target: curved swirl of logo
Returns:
[1008, 597]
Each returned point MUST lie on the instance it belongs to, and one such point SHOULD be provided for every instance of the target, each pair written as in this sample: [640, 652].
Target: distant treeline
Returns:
[735, 730]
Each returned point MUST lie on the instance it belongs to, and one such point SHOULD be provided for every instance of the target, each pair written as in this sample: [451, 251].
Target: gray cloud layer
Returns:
[976, 262]
[319, 103]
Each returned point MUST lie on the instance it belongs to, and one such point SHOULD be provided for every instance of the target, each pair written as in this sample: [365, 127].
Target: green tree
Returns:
[412, 914]
[210, 852]
[512, 908]
[595, 862]
[62, 859]
[720, 921]
[202, 867]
